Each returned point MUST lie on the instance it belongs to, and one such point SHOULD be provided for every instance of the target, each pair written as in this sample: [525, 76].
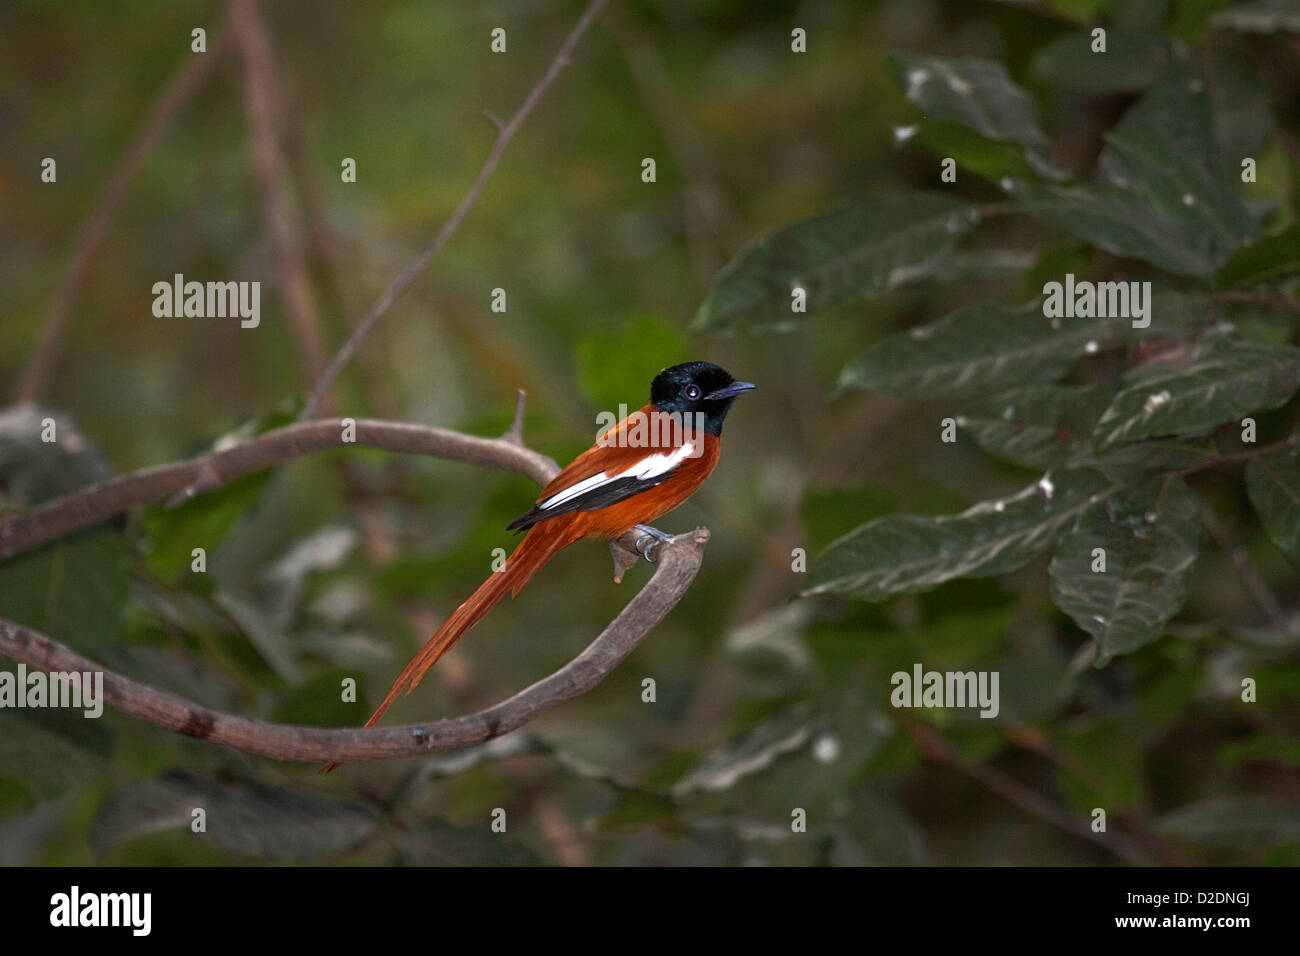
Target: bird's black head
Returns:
[697, 388]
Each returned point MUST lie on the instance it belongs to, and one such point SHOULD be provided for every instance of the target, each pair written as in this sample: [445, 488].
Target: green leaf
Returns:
[1241, 103]
[1273, 483]
[437, 843]
[202, 522]
[33, 470]
[979, 94]
[1235, 823]
[1132, 61]
[51, 751]
[1161, 455]
[1260, 16]
[171, 534]
[770, 651]
[859, 251]
[876, 831]
[1038, 426]
[73, 589]
[971, 151]
[899, 554]
[319, 703]
[1273, 257]
[980, 348]
[787, 732]
[1148, 537]
[245, 817]
[1230, 382]
[1160, 194]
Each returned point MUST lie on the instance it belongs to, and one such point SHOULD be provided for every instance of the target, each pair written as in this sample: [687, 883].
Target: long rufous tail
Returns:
[540, 544]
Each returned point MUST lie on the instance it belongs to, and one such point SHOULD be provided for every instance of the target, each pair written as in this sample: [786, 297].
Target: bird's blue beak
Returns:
[730, 391]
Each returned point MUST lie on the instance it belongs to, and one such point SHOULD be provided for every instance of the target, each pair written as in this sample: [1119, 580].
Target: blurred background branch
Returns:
[505, 132]
[94, 228]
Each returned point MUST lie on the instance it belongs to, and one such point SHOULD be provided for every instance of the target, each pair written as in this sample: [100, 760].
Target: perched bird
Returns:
[643, 467]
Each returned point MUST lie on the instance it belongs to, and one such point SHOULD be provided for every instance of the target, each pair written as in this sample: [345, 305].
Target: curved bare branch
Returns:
[678, 562]
[184, 479]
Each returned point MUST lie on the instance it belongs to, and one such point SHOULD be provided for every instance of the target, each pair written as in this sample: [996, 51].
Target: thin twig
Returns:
[409, 275]
[678, 563]
[515, 434]
[934, 746]
[333, 250]
[263, 109]
[1240, 558]
[94, 228]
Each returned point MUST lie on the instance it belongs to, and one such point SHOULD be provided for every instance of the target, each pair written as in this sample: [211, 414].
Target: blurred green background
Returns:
[341, 565]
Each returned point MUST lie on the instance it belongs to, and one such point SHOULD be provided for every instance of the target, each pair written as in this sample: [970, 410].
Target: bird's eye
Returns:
[692, 392]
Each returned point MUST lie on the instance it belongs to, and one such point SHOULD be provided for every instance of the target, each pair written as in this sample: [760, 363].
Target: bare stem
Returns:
[263, 108]
[403, 282]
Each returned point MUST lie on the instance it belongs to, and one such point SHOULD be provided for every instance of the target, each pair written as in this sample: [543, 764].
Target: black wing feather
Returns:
[617, 490]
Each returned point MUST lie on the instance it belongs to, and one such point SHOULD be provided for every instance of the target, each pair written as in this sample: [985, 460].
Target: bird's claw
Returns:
[650, 538]
[644, 544]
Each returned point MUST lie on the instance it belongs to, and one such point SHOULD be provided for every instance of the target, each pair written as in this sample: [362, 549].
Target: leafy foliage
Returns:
[1274, 485]
[1121, 571]
[1161, 194]
[1168, 449]
[859, 251]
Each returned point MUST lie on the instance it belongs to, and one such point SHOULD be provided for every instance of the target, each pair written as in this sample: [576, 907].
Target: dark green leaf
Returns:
[859, 251]
[1131, 62]
[971, 151]
[1260, 16]
[1273, 257]
[979, 94]
[900, 554]
[273, 823]
[1273, 483]
[73, 589]
[770, 651]
[1148, 536]
[980, 348]
[1038, 426]
[319, 703]
[1148, 456]
[437, 843]
[785, 733]
[1242, 107]
[51, 751]
[1160, 194]
[1228, 383]
[1235, 823]
[202, 522]
[33, 470]
[877, 831]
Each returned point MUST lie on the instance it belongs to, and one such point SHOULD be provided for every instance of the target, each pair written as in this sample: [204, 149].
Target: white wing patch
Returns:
[651, 466]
